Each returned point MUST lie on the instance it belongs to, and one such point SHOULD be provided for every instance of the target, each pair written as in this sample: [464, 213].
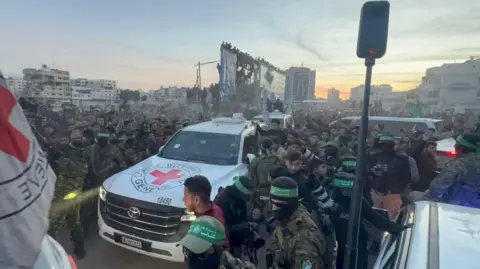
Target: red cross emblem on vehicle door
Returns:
[12, 141]
[164, 177]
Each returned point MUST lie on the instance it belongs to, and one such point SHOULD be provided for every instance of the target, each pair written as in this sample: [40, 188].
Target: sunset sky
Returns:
[148, 43]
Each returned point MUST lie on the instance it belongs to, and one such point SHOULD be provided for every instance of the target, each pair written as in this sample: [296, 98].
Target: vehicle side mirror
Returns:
[160, 149]
[250, 157]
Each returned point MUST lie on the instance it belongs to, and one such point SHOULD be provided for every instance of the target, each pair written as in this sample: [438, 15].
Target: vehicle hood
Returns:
[446, 145]
[158, 179]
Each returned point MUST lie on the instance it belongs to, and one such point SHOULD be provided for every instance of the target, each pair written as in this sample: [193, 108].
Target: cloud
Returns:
[155, 56]
[297, 39]
[445, 56]
[451, 24]
[301, 44]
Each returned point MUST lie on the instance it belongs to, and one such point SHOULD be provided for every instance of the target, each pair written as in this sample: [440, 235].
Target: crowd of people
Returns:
[298, 186]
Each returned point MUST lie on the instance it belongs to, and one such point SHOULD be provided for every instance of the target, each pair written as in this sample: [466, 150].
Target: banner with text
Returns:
[272, 81]
[228, 72]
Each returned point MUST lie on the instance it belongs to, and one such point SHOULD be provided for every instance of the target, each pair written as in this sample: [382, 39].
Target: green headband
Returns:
[385, 138]
[465, 143]
[238, 184]
[349, 163]
[343, 183]
[206, 232]
[103, 135]
[286, 193]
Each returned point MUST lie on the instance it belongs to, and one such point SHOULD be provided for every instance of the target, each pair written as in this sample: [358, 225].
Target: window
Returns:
[211, 148]
[250, 144]
[393, 127]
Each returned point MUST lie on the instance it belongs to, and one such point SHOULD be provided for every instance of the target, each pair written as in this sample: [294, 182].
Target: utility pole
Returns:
[198, 82]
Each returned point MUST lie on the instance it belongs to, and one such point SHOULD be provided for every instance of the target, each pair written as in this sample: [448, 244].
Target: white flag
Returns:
[26, 186]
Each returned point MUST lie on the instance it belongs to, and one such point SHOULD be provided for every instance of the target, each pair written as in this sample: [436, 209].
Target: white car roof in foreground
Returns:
[222, 125]
[444, 237]
[272, 115]
[403, 119]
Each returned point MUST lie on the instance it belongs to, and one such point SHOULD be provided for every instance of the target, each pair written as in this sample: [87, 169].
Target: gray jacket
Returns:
[413, 168]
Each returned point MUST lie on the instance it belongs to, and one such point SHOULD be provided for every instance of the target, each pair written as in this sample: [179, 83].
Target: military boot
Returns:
[76, 235]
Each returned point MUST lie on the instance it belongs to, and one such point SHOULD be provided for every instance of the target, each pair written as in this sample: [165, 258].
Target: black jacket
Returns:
[340, 216]
[304, 192]
[398, 176]
[235, 213]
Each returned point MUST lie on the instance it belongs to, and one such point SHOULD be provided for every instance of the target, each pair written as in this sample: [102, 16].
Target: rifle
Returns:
[231, 262]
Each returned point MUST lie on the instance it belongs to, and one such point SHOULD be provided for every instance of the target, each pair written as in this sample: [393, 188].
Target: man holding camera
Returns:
[234, 201]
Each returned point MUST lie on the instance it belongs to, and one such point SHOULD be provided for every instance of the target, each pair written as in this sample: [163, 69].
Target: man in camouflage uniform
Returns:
[258, 171]
[70, 173]
[459, 181]
[297, 242]
[103, 160]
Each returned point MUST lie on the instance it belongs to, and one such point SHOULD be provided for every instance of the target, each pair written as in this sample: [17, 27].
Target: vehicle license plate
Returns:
[131, 242]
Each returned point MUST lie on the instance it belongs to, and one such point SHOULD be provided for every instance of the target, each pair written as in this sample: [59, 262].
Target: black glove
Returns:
[240, 227]
[399, 228]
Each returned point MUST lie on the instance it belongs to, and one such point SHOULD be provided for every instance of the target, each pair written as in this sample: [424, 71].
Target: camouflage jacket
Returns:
[260, 167]
[298, 243]
[102, 161]
[70, 175]
[460, 172]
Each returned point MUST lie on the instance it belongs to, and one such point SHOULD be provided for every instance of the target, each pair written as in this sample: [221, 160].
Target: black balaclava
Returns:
[386, 144]
[243, 187]
[285, 191]
[130, 139]
[349, 164]
[343, 184]
[102, 138]
[266, 147]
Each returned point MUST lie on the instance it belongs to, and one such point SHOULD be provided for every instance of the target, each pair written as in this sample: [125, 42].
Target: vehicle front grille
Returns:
[155, 222]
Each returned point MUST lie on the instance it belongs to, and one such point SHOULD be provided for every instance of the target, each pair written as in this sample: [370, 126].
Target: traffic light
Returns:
[373, 32]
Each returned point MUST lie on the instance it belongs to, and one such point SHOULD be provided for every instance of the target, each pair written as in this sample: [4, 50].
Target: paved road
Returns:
[103, 255]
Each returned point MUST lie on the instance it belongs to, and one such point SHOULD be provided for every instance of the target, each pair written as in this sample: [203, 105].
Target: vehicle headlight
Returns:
[102, 194]
[188, 216]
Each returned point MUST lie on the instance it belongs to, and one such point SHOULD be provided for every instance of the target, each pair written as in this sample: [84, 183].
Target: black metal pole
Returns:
[351, 248]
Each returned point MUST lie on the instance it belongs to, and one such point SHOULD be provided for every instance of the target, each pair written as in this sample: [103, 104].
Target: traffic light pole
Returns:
[351, 248]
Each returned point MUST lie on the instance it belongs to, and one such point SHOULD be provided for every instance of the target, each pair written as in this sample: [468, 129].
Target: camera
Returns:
[254, 240]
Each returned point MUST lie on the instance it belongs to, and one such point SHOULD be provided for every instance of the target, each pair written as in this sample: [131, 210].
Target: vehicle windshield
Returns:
[211, 148]
[260, 119]
[394, 127]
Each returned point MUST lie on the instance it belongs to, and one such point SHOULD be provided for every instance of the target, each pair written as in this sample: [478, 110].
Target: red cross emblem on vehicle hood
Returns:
[164, 177]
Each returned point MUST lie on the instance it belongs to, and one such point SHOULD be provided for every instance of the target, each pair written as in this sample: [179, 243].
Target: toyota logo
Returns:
[133, 212]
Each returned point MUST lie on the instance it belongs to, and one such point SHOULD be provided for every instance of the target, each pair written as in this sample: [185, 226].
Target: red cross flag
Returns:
[26, 186]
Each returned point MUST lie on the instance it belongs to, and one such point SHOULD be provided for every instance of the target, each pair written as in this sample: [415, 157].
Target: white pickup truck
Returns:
[141, 208]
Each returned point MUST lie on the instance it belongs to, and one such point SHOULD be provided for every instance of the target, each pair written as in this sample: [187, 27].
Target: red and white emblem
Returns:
[163, 176]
